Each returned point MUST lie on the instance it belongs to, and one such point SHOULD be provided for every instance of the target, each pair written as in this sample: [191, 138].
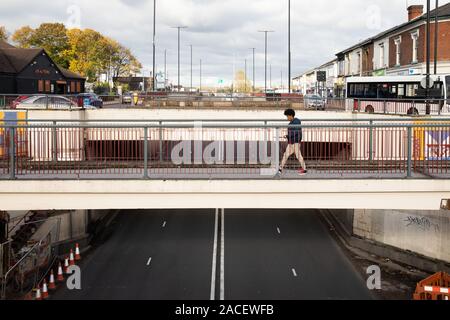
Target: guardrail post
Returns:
[46, 102]
[160, 142]
[371, 141]
[384, 106]
[145, 153]
[12, 153]
[277, 149]
[54, 143]
[410, 151]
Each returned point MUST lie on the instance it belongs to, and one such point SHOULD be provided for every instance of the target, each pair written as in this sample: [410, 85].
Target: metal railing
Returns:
[396, 148]
[32, 263]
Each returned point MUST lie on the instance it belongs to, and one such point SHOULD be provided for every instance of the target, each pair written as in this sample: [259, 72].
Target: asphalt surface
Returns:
[264, 255]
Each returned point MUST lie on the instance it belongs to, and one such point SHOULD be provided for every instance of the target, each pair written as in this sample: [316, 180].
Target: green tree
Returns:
[3, 33]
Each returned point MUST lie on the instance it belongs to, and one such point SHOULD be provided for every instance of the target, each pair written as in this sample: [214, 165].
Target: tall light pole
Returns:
[179, 35]
[190, 89]
[427, 90]
[289, 44]
[200, 87]
[154, 45]
[436, 38]
[245, 76]
[270, 76]
[254, 73]
[265, 59]
[165, 69]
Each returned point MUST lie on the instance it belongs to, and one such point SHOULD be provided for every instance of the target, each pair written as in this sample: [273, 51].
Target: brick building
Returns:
[398, 51]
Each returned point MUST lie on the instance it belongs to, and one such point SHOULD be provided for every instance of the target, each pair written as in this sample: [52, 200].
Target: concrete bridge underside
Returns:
[414, 194]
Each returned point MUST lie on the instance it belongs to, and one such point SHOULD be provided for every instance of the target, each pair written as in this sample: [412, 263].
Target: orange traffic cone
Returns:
[66, 264]
[44, 290]
[77, 253]
[51, 284]
[72, 258]
[60, 276]
[38, 294]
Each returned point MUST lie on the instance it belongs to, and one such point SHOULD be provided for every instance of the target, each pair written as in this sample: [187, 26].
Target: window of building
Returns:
[401, 90]
[78, 87]
[40, 85]
[72, 87]
[415, 46]
[398, 43]
[411, 90]
[381, 62]
[358, 63]
[47, 86]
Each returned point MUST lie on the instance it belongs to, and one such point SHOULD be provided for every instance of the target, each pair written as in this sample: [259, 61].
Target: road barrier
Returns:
[436, 287]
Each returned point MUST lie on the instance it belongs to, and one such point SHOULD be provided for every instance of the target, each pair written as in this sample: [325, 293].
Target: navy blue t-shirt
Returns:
[295, 135]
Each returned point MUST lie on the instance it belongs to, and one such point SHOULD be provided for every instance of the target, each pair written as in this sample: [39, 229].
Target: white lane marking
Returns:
[214, 260]
[294, 272]
[222, 259]
[164, 224]
[149, 261]
[279, 231]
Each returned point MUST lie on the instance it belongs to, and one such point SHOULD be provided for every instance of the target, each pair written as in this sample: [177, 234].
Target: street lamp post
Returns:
[436, 38]
[154, 45]
[427, 89]
[190, 89]
[245, 76]
[200, 87]
[179, 34]
[254, 73]
[289, 44]
[265, 58]
[165, 69]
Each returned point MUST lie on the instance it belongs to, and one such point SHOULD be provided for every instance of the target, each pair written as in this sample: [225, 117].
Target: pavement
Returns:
[260, 254]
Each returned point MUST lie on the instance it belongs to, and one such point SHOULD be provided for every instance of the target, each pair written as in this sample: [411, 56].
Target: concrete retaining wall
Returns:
[423, 232]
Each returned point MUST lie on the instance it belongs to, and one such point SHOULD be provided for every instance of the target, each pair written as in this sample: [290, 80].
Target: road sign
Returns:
[321, 76]
[423, 83]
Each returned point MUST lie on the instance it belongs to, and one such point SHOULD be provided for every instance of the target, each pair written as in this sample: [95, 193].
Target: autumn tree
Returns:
[22, 37]
[241, 83]
[3, 33]
[50, 36]
[86, 52]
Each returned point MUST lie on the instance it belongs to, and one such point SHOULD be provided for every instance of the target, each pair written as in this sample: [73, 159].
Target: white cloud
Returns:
[221, 30]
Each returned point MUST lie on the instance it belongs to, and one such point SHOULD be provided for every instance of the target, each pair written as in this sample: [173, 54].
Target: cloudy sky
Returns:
[221, 31]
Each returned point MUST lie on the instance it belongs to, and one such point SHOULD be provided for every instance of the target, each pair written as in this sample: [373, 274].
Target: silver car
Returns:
[47, 102]
[315, 102]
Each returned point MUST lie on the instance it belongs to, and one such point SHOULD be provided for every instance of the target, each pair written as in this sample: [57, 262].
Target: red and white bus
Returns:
[402, 95]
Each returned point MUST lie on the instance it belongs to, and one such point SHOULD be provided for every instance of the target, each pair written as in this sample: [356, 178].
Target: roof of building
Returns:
[443, 12]
[70, 74]
[14, 60]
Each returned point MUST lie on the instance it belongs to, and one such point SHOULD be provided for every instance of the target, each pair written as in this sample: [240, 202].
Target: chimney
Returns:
[414, 12]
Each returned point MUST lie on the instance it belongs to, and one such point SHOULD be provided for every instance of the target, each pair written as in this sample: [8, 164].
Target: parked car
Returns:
[89, 100]
[127, 98]
[314, 101]
[18, 100]
[48, 102]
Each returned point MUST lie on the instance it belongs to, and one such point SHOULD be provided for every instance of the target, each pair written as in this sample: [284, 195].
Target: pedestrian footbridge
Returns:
[362, 164]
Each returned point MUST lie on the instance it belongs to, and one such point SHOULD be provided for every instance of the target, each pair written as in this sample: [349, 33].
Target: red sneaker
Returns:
[302, 172]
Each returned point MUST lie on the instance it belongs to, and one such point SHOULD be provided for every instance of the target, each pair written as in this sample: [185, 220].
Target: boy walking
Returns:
[294, 137]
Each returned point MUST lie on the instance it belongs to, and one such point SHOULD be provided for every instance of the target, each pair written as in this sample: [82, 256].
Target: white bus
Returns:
[401, 95]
